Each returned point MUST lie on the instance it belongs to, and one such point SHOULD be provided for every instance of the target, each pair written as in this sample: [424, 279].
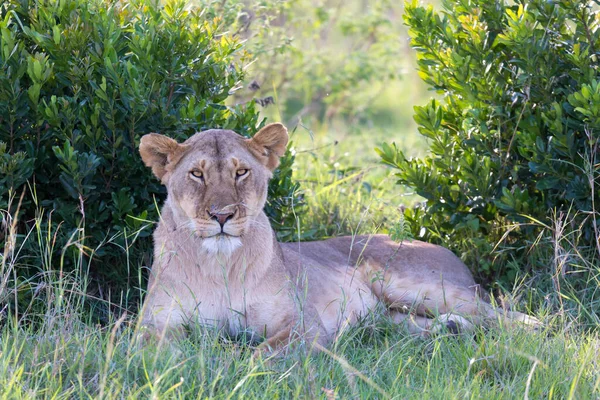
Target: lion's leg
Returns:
[443, 305]
[521, 318]
[458, 309]
[453, 323]
[162, 322]
[425, 297]
[293, 330]
[289, 335]
[424, 326]
[428, 299]
[276, 343]
[415, 324]
[159, 330]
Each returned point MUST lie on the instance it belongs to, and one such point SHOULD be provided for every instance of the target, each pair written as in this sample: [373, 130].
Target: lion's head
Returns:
[216, 180]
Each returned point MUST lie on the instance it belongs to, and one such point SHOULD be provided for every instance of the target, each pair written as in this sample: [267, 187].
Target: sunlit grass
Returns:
[373, 360]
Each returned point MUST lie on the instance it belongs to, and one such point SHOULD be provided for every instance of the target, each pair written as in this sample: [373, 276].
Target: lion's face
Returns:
[216, 180]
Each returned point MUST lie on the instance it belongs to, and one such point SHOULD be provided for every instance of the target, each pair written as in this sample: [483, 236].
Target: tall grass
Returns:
[50, 348]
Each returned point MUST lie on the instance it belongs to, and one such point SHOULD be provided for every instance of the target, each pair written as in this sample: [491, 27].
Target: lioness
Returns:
[217, 261]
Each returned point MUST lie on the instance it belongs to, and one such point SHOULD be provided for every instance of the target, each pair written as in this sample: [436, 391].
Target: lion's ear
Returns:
[269, 144]
[158, 151]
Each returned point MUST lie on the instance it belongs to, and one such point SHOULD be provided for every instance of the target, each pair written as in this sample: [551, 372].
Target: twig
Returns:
[592, 182]
[528, 385]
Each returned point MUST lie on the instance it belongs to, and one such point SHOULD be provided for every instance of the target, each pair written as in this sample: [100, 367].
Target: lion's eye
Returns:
[197, 174]
[241, 172]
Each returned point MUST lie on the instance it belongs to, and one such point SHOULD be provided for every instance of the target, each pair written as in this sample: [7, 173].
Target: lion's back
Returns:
[411, 259]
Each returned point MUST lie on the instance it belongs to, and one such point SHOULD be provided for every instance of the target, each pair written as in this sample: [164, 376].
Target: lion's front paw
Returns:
[266, 354]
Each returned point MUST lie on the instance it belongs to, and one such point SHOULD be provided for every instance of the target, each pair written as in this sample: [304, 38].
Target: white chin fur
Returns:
[221, 245]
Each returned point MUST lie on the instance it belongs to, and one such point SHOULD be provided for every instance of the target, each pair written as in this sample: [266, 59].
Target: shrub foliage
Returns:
[80, 82]
[317, 58]
[515, 136]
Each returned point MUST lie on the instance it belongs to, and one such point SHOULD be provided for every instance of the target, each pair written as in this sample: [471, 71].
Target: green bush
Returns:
[80, 82]
[318, 59]
[515, 136]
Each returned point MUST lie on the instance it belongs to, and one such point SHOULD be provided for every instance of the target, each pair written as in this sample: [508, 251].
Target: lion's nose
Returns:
[221, 217]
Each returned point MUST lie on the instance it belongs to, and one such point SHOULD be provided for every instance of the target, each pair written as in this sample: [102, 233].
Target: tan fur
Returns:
[248, 282]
